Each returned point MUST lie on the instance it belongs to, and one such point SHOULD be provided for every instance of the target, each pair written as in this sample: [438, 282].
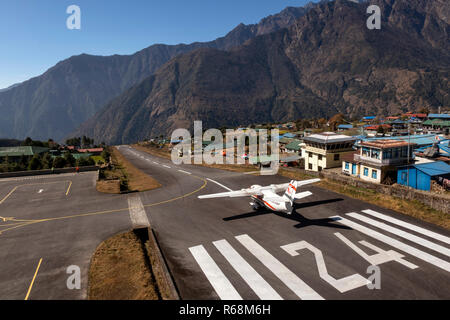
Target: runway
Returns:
[221, 249]
[218, 248]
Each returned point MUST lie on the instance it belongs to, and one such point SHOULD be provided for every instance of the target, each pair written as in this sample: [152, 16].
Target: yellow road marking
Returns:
[34, 278]
[68, 189]
[10, 193]
[28, 222]
[34, 184]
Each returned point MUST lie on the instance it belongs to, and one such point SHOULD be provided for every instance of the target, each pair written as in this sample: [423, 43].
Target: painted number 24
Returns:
[355, 280]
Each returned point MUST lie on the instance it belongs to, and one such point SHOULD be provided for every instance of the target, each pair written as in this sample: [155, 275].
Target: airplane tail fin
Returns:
[289, 194]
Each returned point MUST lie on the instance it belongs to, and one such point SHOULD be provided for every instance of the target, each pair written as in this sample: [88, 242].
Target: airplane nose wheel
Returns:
[255, 206]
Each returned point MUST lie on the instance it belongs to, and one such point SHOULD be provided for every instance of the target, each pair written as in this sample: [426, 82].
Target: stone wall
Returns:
[439, 202]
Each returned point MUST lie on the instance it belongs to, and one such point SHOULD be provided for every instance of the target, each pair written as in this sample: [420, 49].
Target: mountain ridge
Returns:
[56, 102]
[326, 62]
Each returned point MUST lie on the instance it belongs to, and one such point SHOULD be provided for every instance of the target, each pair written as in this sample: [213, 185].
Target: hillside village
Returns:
[411, 149]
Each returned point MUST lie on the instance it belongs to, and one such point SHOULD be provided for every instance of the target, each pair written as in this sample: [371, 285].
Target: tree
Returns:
[70, 160]
[105, 155]
[59, 162]
[336, 120]
[35, 163]
[27, 142]
[85, 161]
[74, 142]
[86, 141]
[47, 161]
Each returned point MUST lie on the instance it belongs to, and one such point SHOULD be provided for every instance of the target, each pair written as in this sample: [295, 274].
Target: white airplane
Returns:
[267, 197]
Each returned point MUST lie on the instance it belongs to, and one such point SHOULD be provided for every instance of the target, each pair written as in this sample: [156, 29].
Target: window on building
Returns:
[310, 166]
[347, 166]
[319, 168]
[336, 157]
[396, 153]
[404, 176]
[375, 154]
[388, 154]
[310, 154]
[374, 174]
[365, 152]
[320, 157]
[405, 152]
[366, 172]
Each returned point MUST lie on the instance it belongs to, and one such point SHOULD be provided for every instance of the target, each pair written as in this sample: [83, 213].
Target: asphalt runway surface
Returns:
[331, 247]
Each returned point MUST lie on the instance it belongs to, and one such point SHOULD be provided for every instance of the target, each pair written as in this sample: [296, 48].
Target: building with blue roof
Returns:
[345, 127]
[441, 116]
[420, 176]
[420, 140]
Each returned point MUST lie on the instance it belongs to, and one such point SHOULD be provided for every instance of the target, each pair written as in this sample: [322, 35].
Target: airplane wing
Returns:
[270, 193]
[231, 194]
[302, 195]
[282, 187]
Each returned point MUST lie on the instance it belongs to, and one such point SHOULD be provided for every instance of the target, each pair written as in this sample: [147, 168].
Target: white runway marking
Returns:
[219, 184]
[300, 288]
[155, 162]
[137, 212]
[260, 286]
[220, 283]
[401, 233]
[184, 171]
[409, 226]
[381, 255]
[40, 190]
[395, 243]
[166, 166]
[342, 285]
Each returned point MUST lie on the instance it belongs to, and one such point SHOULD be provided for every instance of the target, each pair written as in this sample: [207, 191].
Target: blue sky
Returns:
[34, 36]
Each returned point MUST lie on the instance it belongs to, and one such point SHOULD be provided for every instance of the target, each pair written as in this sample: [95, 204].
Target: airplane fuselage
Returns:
[278, 206]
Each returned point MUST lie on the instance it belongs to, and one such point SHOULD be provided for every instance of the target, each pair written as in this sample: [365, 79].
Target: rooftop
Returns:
[23, 150]
[384, 143]
[294, 145]
[419, 139]
[328, 137]
[436, 168]
[439, 115]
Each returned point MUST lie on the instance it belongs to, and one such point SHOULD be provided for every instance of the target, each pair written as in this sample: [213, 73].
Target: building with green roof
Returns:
[17, 152]
[437, 123]
[294, 145]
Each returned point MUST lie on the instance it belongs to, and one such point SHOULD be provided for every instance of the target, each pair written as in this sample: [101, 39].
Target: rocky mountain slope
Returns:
[328, 61]
[55, 103]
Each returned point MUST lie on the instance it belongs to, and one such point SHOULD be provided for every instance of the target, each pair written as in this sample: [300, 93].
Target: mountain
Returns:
[55, 103]
[328, 61]
[10, 87]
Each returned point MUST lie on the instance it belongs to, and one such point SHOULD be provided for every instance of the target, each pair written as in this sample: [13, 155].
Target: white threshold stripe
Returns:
[219, 184]
[184, 171]
[219, 282]
[300, 288]
[409, 226]
[138, 215]
[260, 286]
[401, 233]
[155, 162]
[166, 166]
[395, 243]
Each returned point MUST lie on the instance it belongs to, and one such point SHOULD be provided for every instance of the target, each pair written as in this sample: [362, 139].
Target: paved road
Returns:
[60, 219]
[218, 248]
